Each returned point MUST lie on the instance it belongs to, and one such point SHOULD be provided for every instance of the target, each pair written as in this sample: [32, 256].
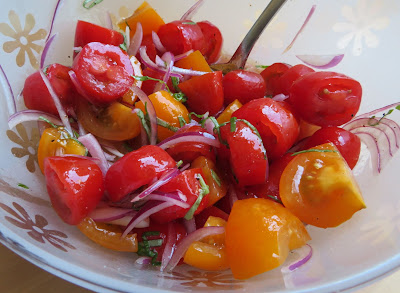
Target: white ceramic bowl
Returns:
[363, 249]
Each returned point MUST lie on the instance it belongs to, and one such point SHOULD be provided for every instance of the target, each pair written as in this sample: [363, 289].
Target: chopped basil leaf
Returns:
[90, 3]
[175, 82]
[144, 247]
[262, 66]
[179, 163]
[275, 199]
[123, 45]
[23, 185]
[233, 124]
[189, 22]
[180, 97]
[216, 177]
[383, 116]
[257, 133]
[204, 191]
[182, 121]
[195, 114]
[142, 119]
[313, 150]
[48, 121]
[165, 124]
[155, 242]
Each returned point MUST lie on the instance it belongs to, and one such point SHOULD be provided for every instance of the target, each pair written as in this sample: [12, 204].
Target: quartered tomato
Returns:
[319, 188]
[104, 72]
[213, 39]
[271, 76]
[87, 32]
[326, 98]
[75, 186]
[136, 169]
[58, 142]
[259, 235]
[274, 121]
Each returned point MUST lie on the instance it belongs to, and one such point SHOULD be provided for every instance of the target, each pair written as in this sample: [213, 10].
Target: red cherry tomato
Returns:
[291, 75]
[104, 72]
[87, 32]
[213, 39]
[189, 151]
[271, 75]
[274, 121]
[150, 48]
[243, 85]
[245, 153]
[181, 36]
[163, 229]
[75, 186]
[36, 94]
[188, 183]
[136, 169]
[348, 144]
[326, 98]
[149, 85]
[204, 93]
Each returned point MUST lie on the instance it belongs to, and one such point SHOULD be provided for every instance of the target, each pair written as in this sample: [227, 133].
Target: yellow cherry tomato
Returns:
[319, 187]
[259, 235]
[226, 115]
[167, 109]
[56, 142]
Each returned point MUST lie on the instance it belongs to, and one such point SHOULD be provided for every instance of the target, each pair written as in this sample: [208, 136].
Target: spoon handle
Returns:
[245, 47]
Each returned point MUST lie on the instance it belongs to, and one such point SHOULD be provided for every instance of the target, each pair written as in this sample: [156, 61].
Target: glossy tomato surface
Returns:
[87, 32]
[271, 76]
[213, 41]
[290, 76]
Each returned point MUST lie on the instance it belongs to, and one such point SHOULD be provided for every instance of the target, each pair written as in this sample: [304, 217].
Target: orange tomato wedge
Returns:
[226, 115]
[194, 61]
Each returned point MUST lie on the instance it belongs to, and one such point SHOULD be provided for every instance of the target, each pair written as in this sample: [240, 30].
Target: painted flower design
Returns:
[23, 38]
[28, 145]
[35, 228]
[205, 280]
[362, 21]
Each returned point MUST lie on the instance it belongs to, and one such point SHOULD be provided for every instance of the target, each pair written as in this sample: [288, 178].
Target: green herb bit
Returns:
[142, 119]
[175, 82]
[233, 124]
[127, 146]
[48, 121]
[90, 3]
[179, 163]
[257, 133]
[195, 114]
[313, 150]
[275, 199]
[165, 124]
[180, 97]
[216, 178]
[189, 22]
[155, 242]
[23, 185]
[150, 233]
[123, 46]
[144, 78]
[204, 191]
[182, 121]
[262, 66]
[383, 116]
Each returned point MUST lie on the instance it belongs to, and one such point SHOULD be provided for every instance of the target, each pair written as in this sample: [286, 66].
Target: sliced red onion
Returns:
[232, 196]
[183, 71]
[127, 219]
[143, 136]
[137, 70]
[31, 115]
[202, 137]
[192, 10]
[190, 225]
[188, 240]
[157, 43]
[160, 62]
[372, 144]
[45, 50]
[109, 158]
[280, 97]
[182, 196]
[183, 55]
[143, 260]
[77, 85]
[165, 178]
[150, 110]
[209, 126]
[136, 41]
[113, 151]
[41, 126]
[58, 5]
[94, 148]
[77, 49]
[168, 57]
[149, 63]
[310, 14]
[321, 61]
[106, 214]
[169, 246]
[305, 252]
[81, 130]
[146, 211]
[168, 197]
[12, 106]
[379, 110]
[63, 115]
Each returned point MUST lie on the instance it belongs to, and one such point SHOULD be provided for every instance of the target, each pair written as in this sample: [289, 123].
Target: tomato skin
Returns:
[136, 169]
[36, 95]
[243, 85]
[213, 39]
[103, 71]
[188, 184]
[180, 36]
[271, 76]
[274, 121]
[87, 32]
[75, 186]
[246, 154]
[204, 93]
[326, 98]
[189, 151]
[348, 144]
[290, 76]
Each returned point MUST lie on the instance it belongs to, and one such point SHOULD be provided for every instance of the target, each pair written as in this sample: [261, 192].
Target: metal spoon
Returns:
[239, 58]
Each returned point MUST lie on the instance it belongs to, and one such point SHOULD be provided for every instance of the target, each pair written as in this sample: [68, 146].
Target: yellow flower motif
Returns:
[23, 40]
[28, 145]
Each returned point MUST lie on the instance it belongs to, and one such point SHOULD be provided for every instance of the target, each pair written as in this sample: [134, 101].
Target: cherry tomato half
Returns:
[286, 80]
[87, 32]
[326, 98]
[103, 71]
[213, 39]
[75, 186]
[271, 75]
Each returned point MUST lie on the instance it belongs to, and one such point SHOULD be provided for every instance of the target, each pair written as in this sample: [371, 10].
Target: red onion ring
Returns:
[59, 2]
[11, 104]
[232, 196]
[310, 14]
[192, 10]
[168, 57]
[143, 260]
[151, 111]
[31, 115]
[168, 198]
[157, 43]
[149, 63]
[190, 225]
[77, 85]
[63, 115]
[45, 50]
[321, 61]
[169, 246]
[136, 41]
[183, 55]
[379, 110]
[280, 97]
[188, 240]
[373, 147]
[202, 137]
[183, 71]
[113, 151]
[94, 148]
[106, 214]
[305, 255]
